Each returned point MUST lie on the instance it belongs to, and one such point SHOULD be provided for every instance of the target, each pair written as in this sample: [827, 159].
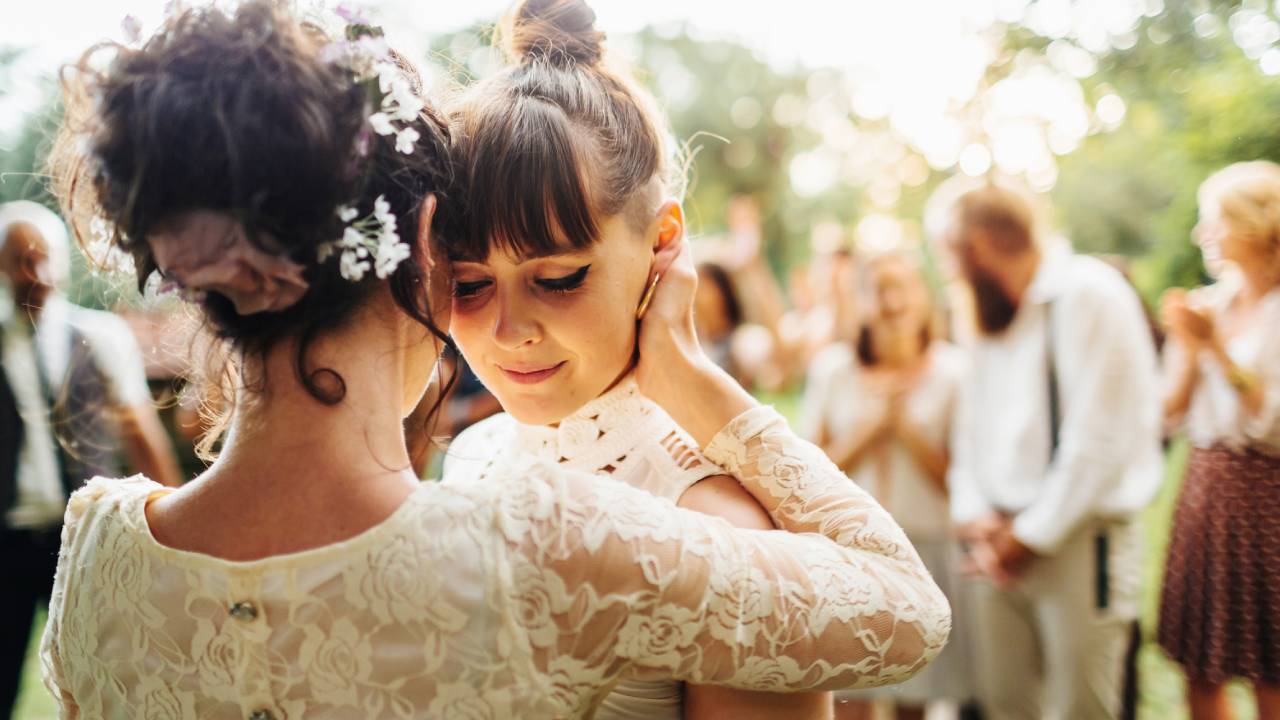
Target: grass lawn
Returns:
[1161, 682]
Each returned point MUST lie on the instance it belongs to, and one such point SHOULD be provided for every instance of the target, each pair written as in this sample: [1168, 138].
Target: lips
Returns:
[530, 374]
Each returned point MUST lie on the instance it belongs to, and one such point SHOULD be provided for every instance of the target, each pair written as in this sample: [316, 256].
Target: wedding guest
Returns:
[1056, 446]
[74, 402]
[1221, 595]
[881, 407]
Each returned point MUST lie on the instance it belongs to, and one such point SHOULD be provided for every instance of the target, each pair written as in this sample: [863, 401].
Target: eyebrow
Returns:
[528, 257]
[553, 253]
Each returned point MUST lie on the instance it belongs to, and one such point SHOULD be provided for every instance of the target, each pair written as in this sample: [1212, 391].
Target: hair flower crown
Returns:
[372, 241]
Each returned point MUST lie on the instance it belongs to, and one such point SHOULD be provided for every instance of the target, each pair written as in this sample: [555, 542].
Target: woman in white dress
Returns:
[571, 211]
[307, 573]
[881, 407]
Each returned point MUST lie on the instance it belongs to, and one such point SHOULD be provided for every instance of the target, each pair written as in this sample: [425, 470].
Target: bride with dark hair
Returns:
[287, 184]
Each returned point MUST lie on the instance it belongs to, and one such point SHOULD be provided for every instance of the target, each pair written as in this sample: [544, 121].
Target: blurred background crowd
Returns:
[832, 286]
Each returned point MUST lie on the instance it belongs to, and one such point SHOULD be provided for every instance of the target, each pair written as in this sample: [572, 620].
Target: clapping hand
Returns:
[1192, 327]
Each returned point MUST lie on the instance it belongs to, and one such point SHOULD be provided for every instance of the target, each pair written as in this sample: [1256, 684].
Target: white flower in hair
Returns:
[352, 267]
[381, 123]
[405, 140]
[368, 243]
[104, 253]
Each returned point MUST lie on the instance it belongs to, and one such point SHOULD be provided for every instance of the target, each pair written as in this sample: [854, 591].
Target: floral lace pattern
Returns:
[524, 596]
[626, 436]
[621, 433]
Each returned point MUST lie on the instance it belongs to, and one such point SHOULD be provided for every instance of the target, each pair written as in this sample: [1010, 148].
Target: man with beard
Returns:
[1056, 446]
[72, 396]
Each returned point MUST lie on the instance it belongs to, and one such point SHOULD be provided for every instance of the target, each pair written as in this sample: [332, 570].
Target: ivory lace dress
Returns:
[525, 595]
[622, 434]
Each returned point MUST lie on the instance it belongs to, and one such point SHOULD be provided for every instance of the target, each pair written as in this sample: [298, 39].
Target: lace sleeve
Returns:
[50, 646]
[612, 579]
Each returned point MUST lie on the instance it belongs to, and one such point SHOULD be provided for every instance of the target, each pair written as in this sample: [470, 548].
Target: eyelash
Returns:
[572, 281]
[467, 289]
[565, 284]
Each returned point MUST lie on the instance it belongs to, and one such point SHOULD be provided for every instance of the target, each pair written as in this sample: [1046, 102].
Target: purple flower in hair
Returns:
[352, 14]
[132, 29]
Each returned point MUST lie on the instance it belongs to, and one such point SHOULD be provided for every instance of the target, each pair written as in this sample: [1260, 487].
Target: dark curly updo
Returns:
[237, 112]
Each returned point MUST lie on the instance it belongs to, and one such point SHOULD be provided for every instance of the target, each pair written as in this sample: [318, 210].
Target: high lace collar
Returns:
[601, 433]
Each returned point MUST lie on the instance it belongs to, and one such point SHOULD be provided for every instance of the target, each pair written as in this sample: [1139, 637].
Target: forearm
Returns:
[1178, 400]
[147, 447]
[848, 454]
[712, 702]
[702, 398]
[933, 460]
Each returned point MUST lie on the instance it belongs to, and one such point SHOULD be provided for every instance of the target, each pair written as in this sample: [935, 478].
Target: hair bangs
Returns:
[525, 184]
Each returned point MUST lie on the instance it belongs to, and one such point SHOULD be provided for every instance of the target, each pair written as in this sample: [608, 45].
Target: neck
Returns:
[322, 447]
[1259, 280]
[899, 350]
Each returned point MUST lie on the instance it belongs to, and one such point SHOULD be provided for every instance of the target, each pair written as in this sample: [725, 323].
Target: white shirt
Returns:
[40, 500]
[1215, 415]
[838, 398]
[1108, 461]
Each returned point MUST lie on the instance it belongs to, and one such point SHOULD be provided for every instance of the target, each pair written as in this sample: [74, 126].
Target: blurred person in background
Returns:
[745, 316]
[1056, 446]
[881, 407]
[1220, 603]
[74, 396]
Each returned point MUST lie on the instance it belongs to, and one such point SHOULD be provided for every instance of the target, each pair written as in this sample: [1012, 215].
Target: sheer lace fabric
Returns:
[527, 595]
[621, 434]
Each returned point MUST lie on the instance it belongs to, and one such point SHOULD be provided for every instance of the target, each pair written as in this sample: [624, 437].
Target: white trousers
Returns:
[1053, 646]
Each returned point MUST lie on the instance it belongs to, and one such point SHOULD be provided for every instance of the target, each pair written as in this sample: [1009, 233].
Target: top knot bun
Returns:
[562, 32]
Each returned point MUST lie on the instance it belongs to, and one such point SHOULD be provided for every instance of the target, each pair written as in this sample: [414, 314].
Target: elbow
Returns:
[922, 634]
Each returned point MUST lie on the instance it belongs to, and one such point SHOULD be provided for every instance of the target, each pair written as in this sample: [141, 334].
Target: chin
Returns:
[530, 410]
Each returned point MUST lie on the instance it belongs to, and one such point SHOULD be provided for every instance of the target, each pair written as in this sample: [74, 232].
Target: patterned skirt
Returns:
[1220, 602]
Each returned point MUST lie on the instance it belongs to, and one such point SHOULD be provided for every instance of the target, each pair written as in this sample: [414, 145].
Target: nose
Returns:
[516, 324]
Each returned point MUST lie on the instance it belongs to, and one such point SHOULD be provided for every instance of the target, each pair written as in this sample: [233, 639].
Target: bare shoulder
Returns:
[724, 497]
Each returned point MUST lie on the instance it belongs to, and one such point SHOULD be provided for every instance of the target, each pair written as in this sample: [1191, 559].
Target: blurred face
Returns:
[710, 309]
[546, 335]
[1221, 243]
[24, 260]
[983, 268]
[899, 298]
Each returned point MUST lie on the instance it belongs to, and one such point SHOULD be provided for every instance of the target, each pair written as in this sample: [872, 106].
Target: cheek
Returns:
[598, 329]
[470, 329]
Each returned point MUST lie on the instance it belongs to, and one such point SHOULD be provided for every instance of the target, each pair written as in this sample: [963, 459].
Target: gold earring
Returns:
[648, 297]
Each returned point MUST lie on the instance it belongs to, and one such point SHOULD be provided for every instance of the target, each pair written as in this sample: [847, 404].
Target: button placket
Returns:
[246, 619]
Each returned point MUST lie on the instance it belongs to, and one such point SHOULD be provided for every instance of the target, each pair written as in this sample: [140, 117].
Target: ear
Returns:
[668, 239]
[425, 216]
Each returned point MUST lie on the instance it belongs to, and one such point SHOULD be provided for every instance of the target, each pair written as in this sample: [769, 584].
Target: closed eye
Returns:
[569, 282]
[467, 289]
